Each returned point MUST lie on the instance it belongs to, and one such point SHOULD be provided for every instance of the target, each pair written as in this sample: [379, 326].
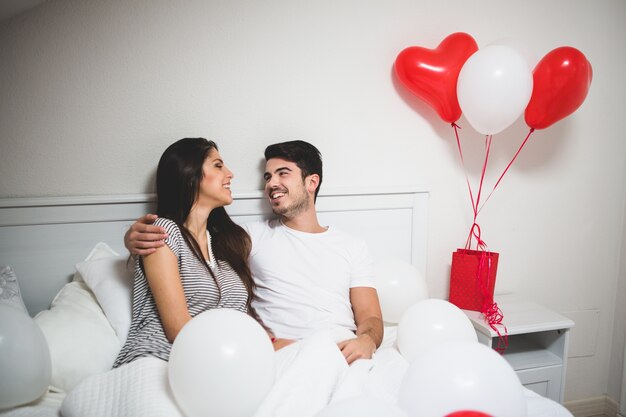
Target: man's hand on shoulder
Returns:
[361, 347]
[143, 238]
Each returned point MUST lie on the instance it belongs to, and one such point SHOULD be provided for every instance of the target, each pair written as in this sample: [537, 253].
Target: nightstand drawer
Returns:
[545, 381]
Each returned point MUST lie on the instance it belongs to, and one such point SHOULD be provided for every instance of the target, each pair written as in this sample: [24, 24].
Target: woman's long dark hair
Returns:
[179, 175]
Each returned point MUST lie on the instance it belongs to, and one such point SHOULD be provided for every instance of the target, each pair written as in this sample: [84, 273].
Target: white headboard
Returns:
[43, 238]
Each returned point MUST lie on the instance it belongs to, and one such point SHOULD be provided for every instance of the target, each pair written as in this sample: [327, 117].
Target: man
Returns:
[308, 277]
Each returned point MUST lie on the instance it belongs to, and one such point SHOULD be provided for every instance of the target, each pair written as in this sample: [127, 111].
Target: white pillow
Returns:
[99, 251]
[110, 279]
[10, 290]
[80, 338]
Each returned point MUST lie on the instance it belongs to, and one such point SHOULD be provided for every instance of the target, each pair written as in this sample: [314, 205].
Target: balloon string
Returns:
[494, 317]
[482, 174]
[507, 168]
[491, 311]
[493, 314]
[475, 232]
[475, 202]
[458, 143]
[480, 244]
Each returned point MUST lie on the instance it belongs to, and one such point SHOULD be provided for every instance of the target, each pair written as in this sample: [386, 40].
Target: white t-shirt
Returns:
[303, 280]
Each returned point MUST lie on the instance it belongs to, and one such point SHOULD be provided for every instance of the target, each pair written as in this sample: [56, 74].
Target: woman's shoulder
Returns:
[169, 225]
[165, 222]
[174, 239]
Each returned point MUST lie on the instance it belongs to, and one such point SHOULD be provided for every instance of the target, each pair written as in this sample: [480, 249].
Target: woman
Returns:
[203, 264]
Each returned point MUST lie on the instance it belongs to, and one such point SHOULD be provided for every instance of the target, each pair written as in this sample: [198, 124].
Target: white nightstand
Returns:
[538, 342]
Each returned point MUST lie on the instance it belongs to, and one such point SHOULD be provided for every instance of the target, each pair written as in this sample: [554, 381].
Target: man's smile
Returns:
[276, 195]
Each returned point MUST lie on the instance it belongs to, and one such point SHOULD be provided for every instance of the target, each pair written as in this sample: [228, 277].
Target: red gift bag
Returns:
[473, 279]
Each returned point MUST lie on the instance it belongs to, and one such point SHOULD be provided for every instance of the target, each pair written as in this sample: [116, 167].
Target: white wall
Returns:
[617, 372]
[93, 91]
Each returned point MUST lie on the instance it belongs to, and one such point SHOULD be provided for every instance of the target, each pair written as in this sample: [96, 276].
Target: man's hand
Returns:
[369, 325]
[143, 238]
[362, 347]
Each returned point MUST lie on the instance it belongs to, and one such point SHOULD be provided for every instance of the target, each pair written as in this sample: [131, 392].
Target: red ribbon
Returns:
[491, 311]
[475, 204]
[508, 166]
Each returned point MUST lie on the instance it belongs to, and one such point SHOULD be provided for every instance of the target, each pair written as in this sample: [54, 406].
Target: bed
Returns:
[70, 263]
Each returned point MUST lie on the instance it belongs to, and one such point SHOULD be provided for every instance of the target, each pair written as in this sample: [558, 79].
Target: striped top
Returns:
[146, 336]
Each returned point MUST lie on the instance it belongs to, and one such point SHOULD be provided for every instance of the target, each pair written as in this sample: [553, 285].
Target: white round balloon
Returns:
[25, 366]
[530, 56]
[221, 364]
[461, 376]
[399, 285]
[362, 407]
[429, 323]
[494, 88]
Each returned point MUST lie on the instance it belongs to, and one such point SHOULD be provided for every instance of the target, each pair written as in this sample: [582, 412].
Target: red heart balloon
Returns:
[431, 74]
[468, 413]
[561, 81]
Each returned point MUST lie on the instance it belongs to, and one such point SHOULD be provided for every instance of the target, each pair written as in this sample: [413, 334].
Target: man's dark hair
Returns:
[306, 156]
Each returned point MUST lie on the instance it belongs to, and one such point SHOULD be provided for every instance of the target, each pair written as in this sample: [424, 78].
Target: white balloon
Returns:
[461, 376]
[429, 323]
[494, 88]
[530, 56]
[399, 285]
[221, 364]
[362, 407]
[25, 367]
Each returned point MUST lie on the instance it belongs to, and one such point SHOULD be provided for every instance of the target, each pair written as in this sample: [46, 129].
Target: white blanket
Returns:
[307, 375]
[139, 389]
[310, 374]
[46, 406]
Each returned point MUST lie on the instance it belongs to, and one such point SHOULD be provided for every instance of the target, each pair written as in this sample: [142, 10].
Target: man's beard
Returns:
[296, 207]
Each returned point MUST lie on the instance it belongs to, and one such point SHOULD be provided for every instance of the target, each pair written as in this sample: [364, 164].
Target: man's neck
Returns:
[305, 221]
